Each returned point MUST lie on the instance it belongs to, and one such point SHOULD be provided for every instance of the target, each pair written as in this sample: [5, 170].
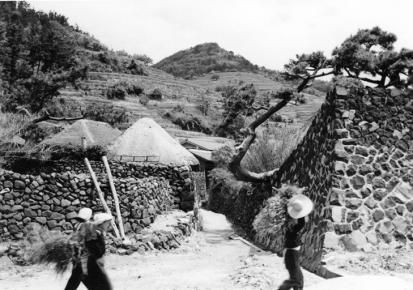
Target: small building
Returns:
[147, 141]
[84, 133]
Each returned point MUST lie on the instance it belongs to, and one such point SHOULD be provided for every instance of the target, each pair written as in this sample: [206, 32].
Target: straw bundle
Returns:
[270, 222]
[58, 251]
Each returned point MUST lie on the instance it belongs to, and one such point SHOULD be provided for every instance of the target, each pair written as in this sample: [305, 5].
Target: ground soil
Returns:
[207, 260]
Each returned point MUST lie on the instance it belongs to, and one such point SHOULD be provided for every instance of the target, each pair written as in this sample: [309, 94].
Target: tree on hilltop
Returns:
[369, 55]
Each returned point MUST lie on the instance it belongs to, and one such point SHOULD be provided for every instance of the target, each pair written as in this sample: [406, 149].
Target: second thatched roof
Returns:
[147, 138]
[95, 133]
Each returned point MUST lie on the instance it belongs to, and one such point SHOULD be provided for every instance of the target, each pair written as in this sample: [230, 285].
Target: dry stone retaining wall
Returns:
[372, 187]
[178, 176]
[357, 162]
[52, 200]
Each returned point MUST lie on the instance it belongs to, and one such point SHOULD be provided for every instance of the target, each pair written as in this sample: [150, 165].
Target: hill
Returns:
[202, 59]
[70, 73]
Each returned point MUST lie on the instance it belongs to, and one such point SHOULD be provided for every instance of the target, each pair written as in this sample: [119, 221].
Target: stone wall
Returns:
[178, 176]
[356, 160]
[372, 193]
[52, 200]
[310, 165]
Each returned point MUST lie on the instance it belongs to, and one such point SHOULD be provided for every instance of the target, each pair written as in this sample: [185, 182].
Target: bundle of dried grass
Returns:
[270, 222]
[58, 251]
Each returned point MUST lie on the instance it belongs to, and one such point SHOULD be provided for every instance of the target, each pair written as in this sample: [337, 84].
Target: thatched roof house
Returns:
[147, 138]
[94, 133]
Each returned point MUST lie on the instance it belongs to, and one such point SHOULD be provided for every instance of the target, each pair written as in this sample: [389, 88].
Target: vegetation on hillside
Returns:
[40, 53]
[202, 59]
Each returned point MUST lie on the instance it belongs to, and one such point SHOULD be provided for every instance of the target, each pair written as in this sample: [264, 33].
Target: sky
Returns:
[266, 32]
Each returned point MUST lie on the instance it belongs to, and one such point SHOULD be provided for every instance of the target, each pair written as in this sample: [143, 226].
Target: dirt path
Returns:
[207, 260]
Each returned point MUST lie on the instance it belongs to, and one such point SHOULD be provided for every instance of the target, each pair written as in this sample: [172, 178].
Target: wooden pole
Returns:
[102, 199]
[115, 196]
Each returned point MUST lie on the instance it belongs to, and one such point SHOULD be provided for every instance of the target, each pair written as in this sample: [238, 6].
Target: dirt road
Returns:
[208, 260]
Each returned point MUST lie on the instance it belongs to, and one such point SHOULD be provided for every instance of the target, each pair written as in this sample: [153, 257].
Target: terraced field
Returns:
[187, 94]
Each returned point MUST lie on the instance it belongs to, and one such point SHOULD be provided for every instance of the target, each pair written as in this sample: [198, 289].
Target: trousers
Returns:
[96, 278]
[296, 280]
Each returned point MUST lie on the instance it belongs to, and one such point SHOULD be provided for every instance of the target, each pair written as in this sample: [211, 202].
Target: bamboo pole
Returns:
[115, 196]
[102, 199]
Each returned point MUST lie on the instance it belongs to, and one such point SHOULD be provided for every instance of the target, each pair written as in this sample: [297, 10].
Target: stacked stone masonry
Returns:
[372, 185]
[53, 200]
[356, 160]
[178, 176]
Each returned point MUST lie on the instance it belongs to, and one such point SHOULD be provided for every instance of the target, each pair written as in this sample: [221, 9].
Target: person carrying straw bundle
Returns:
[298, 208]
[79, 267]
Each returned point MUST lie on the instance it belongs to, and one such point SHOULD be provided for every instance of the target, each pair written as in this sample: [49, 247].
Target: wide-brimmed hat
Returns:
[299, 206]
[101, 218]
[84, 214]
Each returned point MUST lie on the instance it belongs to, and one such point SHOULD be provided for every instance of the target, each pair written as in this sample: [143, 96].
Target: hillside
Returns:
[74, 75]
[204, 58]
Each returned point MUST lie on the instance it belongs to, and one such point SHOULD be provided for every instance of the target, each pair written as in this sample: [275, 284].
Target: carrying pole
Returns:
[115, 196]
[102, 199]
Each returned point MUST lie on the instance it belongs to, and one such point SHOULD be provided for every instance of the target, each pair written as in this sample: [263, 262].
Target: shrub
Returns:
[134, 89]
[107, 113]
[144, 100]
[116, 91]
[188, 121]
[271, 148]
[215, 77]
[155, 95]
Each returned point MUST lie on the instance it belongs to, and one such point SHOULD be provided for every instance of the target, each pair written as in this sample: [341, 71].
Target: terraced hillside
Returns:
[187, 94]
[175, 91]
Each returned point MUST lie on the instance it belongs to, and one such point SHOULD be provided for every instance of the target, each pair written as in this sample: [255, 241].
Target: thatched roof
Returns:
[96, 133]
[147, 138]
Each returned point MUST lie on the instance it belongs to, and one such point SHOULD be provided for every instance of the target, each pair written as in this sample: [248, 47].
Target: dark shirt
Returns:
[96, 247]
[292, 238]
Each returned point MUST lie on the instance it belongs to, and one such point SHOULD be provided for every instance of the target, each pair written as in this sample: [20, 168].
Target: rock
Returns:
[29, 213]
[357, 159]
[357, 181]
[19, 184]
[388, 203]
[365, 169]
[16, 208]
[372, 237]
[378, 215]
[379, 194]
[391, 213]
[51, 224]
[351, 170]
[404, 190]
[353, 203]
[71, 215]
[340, 167]
[373, 126]
[385, 227]
[370, 202]
[337, 214]
[8, 184]
[65, 203]
[400, 209]
[342, 228]
[365, 192]
[409, 206]
[41, 220]
[57, 216]
[351, 216]
[363, 151]
[400, 224]
[378, 183]
[331, 241]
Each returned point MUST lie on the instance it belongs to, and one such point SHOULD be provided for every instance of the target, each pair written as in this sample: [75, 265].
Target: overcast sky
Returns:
[267, 32]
